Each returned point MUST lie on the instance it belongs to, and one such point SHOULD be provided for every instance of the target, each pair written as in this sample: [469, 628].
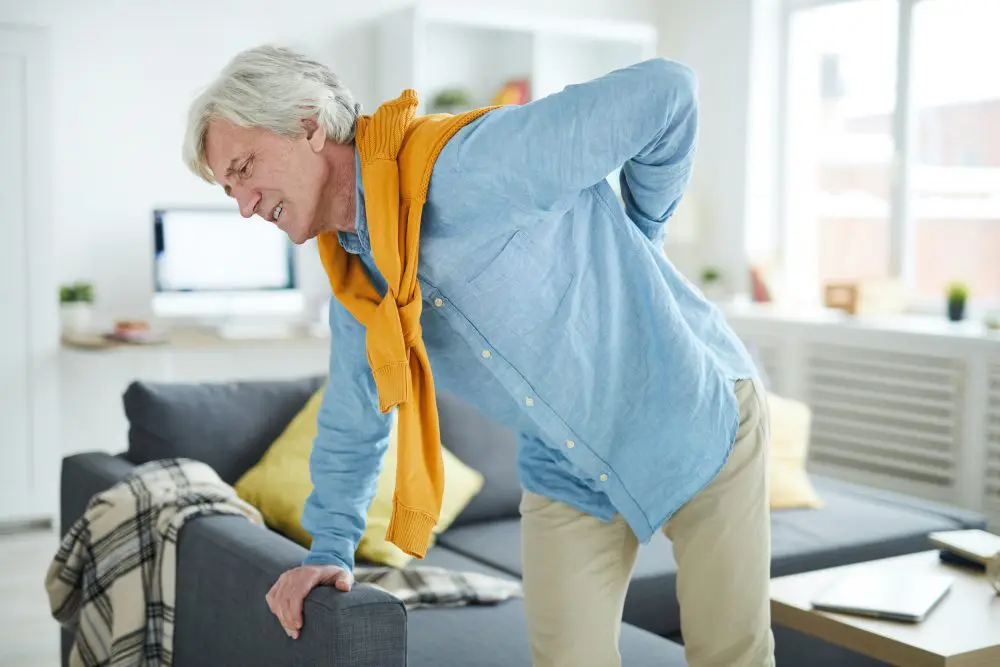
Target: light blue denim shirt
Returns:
[551, 308]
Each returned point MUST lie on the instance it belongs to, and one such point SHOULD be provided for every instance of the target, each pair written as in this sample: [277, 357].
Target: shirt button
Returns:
[529, 401]
[487, 354]
[604, 477]
[439, 302]
[570, 444]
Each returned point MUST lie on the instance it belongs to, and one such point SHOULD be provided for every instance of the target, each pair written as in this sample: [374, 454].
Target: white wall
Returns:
[732, 45]
[124, 72]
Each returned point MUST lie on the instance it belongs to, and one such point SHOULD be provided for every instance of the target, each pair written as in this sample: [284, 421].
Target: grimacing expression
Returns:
[284, 180]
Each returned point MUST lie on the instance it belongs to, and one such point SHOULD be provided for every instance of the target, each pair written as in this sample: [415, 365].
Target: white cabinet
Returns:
[28, 297]
[431, 49]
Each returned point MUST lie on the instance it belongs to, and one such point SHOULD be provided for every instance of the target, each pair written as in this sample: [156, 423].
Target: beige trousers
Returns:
[577, 568]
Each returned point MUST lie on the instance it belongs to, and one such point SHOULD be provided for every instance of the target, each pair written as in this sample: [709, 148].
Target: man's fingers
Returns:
[295, 594]
[280, 594]
[287, 596]
[344, 580]
[287, 605]
[309, 580]
[296, 597]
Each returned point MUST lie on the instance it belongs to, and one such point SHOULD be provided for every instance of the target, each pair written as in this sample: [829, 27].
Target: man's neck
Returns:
[340, 205]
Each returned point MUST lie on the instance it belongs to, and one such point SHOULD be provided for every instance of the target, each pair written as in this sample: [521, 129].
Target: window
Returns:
[842, 74]
[892, 144]
[955, 182]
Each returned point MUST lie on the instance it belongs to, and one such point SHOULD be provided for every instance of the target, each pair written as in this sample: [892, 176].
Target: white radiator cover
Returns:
[889, 414]
[914, 409]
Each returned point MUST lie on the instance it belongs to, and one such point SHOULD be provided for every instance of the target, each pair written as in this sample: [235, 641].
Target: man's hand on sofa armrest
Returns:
[226, 565]
[291, 589]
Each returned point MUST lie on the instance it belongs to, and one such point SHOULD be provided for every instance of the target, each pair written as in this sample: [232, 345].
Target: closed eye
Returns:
[242, 173]
[245, 169]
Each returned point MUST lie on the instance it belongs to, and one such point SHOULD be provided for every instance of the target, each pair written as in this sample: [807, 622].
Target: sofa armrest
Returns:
[83, 477]
[225, 566]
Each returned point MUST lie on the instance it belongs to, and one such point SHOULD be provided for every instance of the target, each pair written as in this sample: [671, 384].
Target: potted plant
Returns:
[76, 302]
[958, 294]
[451, 100]
[711, 283]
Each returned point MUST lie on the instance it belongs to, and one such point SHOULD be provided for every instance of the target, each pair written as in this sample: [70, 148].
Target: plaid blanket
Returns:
[428, 586]
[111, 582]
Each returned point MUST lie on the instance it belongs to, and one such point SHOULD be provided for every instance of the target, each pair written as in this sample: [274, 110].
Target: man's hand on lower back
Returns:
[290, 591]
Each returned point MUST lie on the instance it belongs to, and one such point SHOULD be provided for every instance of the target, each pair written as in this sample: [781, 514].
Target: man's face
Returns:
[282, 180]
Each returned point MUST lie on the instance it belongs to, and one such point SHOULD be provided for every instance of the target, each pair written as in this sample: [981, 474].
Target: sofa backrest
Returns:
[229, 426]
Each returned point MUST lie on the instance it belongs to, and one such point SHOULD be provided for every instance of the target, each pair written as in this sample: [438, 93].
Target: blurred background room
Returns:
[844, 212]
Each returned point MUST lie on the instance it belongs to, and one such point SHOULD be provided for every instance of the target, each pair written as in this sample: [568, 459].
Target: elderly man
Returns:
[486, 253]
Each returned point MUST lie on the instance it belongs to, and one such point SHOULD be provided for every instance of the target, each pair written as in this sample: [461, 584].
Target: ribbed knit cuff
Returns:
[393, 382]
[410, 529]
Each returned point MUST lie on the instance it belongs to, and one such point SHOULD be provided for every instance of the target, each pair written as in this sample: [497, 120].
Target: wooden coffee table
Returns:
[962, 631]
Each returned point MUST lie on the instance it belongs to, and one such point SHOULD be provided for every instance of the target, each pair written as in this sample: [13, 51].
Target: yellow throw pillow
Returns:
[279, 484]
[791, 422]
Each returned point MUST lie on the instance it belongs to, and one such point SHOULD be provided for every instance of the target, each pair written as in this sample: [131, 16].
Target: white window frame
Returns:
[901, 224]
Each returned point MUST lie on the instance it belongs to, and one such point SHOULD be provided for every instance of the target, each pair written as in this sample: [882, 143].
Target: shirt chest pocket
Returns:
[518, 290]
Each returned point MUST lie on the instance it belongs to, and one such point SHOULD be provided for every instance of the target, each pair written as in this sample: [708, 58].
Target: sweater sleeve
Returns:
[352, 438]
[642, 119]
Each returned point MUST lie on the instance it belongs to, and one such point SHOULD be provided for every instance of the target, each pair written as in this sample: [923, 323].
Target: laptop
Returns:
[906, 597]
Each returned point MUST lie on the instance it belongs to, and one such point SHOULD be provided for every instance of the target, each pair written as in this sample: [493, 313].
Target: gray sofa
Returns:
[226, 565]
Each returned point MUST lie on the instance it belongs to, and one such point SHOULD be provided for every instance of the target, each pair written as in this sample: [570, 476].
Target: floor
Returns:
[29, 637]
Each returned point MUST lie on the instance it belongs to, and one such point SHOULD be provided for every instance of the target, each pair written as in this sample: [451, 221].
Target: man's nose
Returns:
[248, 203]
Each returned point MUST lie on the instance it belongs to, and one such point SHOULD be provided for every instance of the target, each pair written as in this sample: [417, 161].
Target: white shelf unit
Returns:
[430, 48]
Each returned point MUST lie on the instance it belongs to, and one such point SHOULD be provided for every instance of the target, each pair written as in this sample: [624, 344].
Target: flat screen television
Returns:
[214, 264]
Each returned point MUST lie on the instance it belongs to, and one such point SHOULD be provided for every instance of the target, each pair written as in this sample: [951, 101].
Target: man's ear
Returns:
[315, 134]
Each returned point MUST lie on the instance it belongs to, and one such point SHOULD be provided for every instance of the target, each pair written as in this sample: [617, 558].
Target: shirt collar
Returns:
[358, 241]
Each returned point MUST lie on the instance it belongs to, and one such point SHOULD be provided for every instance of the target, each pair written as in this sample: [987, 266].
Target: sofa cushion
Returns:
[791, 422]
[855, 524]
[488, 448]
[498, 636]
[227, 425]
[280, 484]
[495, 543]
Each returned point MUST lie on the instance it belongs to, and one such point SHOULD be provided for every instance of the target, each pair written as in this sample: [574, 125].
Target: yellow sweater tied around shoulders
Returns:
[397, 152]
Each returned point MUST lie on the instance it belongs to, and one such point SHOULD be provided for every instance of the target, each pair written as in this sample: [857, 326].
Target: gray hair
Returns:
[273, 88]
